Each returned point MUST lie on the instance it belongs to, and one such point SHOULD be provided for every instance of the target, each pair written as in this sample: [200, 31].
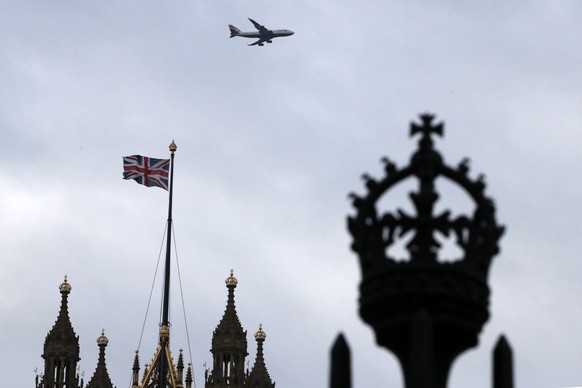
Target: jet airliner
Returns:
[263, 35]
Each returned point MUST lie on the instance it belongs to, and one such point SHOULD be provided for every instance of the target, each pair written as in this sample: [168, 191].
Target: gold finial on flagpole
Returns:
[173, 147]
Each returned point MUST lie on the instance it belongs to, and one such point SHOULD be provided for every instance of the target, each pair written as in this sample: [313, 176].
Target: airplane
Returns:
[264, 34]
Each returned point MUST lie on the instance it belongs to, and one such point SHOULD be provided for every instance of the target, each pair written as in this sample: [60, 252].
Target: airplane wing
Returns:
[258, 42]
[258, 26]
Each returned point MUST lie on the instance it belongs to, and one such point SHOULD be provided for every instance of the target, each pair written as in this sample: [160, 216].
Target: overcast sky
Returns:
[270, 142]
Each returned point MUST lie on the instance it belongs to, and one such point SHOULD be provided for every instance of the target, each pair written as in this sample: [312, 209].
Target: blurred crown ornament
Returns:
[424, 309]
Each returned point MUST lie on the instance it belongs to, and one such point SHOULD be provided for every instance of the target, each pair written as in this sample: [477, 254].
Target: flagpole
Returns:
[165, 324]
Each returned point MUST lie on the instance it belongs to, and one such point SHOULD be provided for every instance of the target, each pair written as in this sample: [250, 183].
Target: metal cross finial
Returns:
[426, 128]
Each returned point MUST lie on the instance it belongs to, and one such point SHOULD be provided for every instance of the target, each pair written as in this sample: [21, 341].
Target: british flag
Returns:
[146, 171]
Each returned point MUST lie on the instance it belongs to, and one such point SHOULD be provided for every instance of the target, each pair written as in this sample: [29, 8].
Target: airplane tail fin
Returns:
[233, 31]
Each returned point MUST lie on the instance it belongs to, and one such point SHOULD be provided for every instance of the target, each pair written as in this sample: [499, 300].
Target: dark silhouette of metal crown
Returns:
[454, 294]
[373, 234]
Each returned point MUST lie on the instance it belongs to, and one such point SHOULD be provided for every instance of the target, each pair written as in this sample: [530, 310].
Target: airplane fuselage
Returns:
[266, 35]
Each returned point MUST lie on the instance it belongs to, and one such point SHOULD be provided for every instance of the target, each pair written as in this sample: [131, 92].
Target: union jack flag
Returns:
[146, 171]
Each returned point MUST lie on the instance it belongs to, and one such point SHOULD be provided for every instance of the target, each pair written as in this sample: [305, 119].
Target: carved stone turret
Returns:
[425, 308]
[61, 349]
[229, 346]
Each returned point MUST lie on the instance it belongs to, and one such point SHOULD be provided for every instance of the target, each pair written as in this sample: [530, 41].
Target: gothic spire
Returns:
[259, 376]
[189, 378]
[61, 347]
[135, 370]
[229, 345]
[101, 378]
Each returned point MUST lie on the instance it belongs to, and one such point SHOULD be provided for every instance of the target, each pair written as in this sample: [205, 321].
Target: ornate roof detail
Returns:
[101, 377]
[259, 376]
[136, 361]
[102, 340]
[151, 372]
[189, 378]
[231, 280]
[65, 286]
[229, 346]
[260, 335]
[61, 339]
[135, 370]
[229, 333]
[180, 365]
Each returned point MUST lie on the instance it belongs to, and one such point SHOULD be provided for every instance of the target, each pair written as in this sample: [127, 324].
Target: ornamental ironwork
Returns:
[426, 309]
